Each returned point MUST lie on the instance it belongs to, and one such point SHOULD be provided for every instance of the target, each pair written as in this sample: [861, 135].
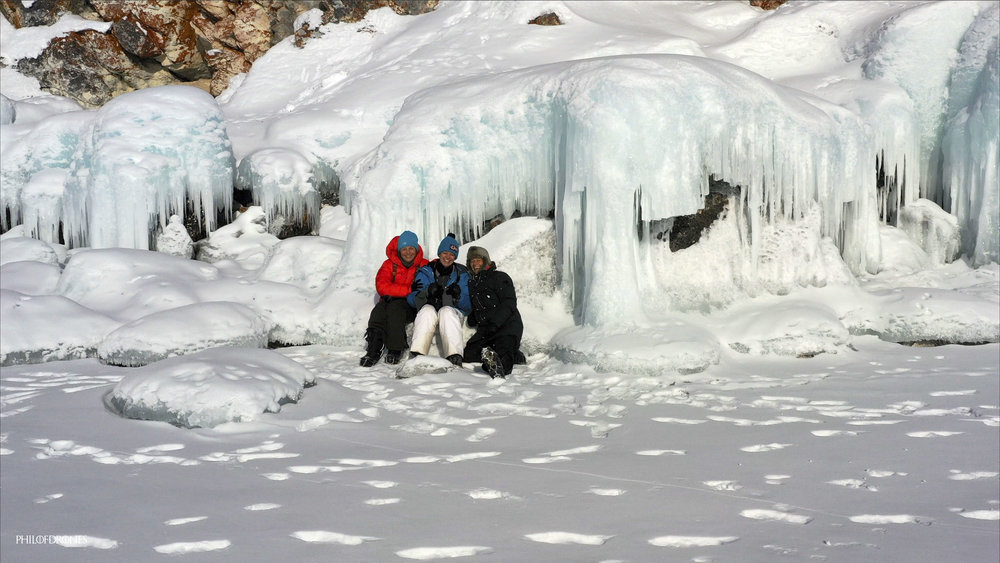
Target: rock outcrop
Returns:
[203, 43]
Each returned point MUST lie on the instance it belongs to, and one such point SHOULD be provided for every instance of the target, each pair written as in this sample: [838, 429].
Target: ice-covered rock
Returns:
[183, 330]
[787, 328]
[174, 239]
[933, 229]
[210, 388]
[900, 254]
[8, 113]
[666, 349]
[245, 240]
[928, 315]
[46, 328]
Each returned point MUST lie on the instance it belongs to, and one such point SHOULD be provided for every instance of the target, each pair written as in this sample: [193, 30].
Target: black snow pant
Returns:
[390, 318]
[505, 345]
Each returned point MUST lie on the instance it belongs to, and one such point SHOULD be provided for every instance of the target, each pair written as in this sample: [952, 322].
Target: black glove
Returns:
[454, 291]
[434, 292]
[417, 285]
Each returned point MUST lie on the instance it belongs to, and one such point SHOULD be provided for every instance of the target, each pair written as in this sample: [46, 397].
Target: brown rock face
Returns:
[767, 4]
[550, 18]
[100, 70]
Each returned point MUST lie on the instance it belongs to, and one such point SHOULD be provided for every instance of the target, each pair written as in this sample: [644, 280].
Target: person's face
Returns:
[476, 264]
[408, 253]
[446, 258]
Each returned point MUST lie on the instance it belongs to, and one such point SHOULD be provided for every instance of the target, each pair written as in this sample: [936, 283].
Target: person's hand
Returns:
[434, 292]
[417, 285]
[454, 291]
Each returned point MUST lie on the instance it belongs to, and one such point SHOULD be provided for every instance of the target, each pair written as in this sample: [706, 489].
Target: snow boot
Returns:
[373, 351]
[393, 356]
[491, 364]
[455, 359]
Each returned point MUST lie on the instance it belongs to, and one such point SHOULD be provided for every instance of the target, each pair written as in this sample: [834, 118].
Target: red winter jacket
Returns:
[393, 278]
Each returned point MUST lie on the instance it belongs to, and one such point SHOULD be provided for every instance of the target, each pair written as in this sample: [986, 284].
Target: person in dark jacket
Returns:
[440, 295]
[497, 340]
[388, 319]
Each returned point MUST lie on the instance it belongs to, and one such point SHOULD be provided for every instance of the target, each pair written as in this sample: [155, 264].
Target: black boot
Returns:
[373, 350]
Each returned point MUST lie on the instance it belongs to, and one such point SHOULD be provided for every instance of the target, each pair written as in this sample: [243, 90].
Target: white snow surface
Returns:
[743, 399]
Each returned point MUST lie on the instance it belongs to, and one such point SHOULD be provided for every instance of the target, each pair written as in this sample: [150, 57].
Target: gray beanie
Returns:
[477, 252]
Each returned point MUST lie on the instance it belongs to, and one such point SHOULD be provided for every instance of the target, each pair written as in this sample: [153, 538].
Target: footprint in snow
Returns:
[722, 485]
[182, 521]
[884, 519]
[481, 434]
[381, 484]
[382, 501]
[853, 484]
[323, 536]
[568, 538]
[80, 540]
[607, 492]
[829, 433]
[775, 516]
[692, 541]
[261, 506]
[981, 514]
[661, 452]
[957, 475]
[181, 548]
[764, 447]
[428, 553]
[490, 494]
[932, 434]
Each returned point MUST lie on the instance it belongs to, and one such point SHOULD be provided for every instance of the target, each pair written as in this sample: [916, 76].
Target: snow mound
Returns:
[305, 262]
[182, 331]
[789, 328]
[30, 278]
[929, 315]
[900, 254]
[423, 365]
[210, 388]
[23, 249]
[131, 284]
[678, 347]
[28, 334]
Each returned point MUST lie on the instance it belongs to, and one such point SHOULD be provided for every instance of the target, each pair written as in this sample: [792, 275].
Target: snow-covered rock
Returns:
[174, 239]
[666, 349]
[306, 262]
[245, 240]
[36, 329]
[211, 387]
[788, 328]
[183, 330]
[933, 229]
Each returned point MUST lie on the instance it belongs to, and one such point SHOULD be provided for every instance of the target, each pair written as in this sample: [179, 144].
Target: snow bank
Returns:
[245, 241]
[928, 315]
[679, 347]
[211, 387]
[791, 327]
[181, 331]
[21, 248]
[933, 229]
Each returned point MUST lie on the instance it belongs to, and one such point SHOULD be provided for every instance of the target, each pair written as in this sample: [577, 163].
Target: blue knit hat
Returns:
[449, 244]
[407, 238]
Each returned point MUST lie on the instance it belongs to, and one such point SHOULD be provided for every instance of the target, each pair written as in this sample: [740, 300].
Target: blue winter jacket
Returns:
[428, 275]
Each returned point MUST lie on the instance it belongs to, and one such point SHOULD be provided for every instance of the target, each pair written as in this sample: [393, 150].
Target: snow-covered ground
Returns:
[744, 399]
[889, 453]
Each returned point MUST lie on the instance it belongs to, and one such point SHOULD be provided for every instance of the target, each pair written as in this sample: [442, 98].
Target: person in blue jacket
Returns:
[440, 294]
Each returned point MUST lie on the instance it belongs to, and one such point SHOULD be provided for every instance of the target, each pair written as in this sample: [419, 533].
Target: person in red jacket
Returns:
[388, 320]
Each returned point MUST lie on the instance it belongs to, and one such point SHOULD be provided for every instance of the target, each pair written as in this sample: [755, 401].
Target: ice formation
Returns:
[282, 183]
[146, 154]
[183, 330]
[210, 388]
[611, 143]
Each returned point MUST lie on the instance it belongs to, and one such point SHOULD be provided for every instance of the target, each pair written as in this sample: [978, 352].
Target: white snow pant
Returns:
[448, 320]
